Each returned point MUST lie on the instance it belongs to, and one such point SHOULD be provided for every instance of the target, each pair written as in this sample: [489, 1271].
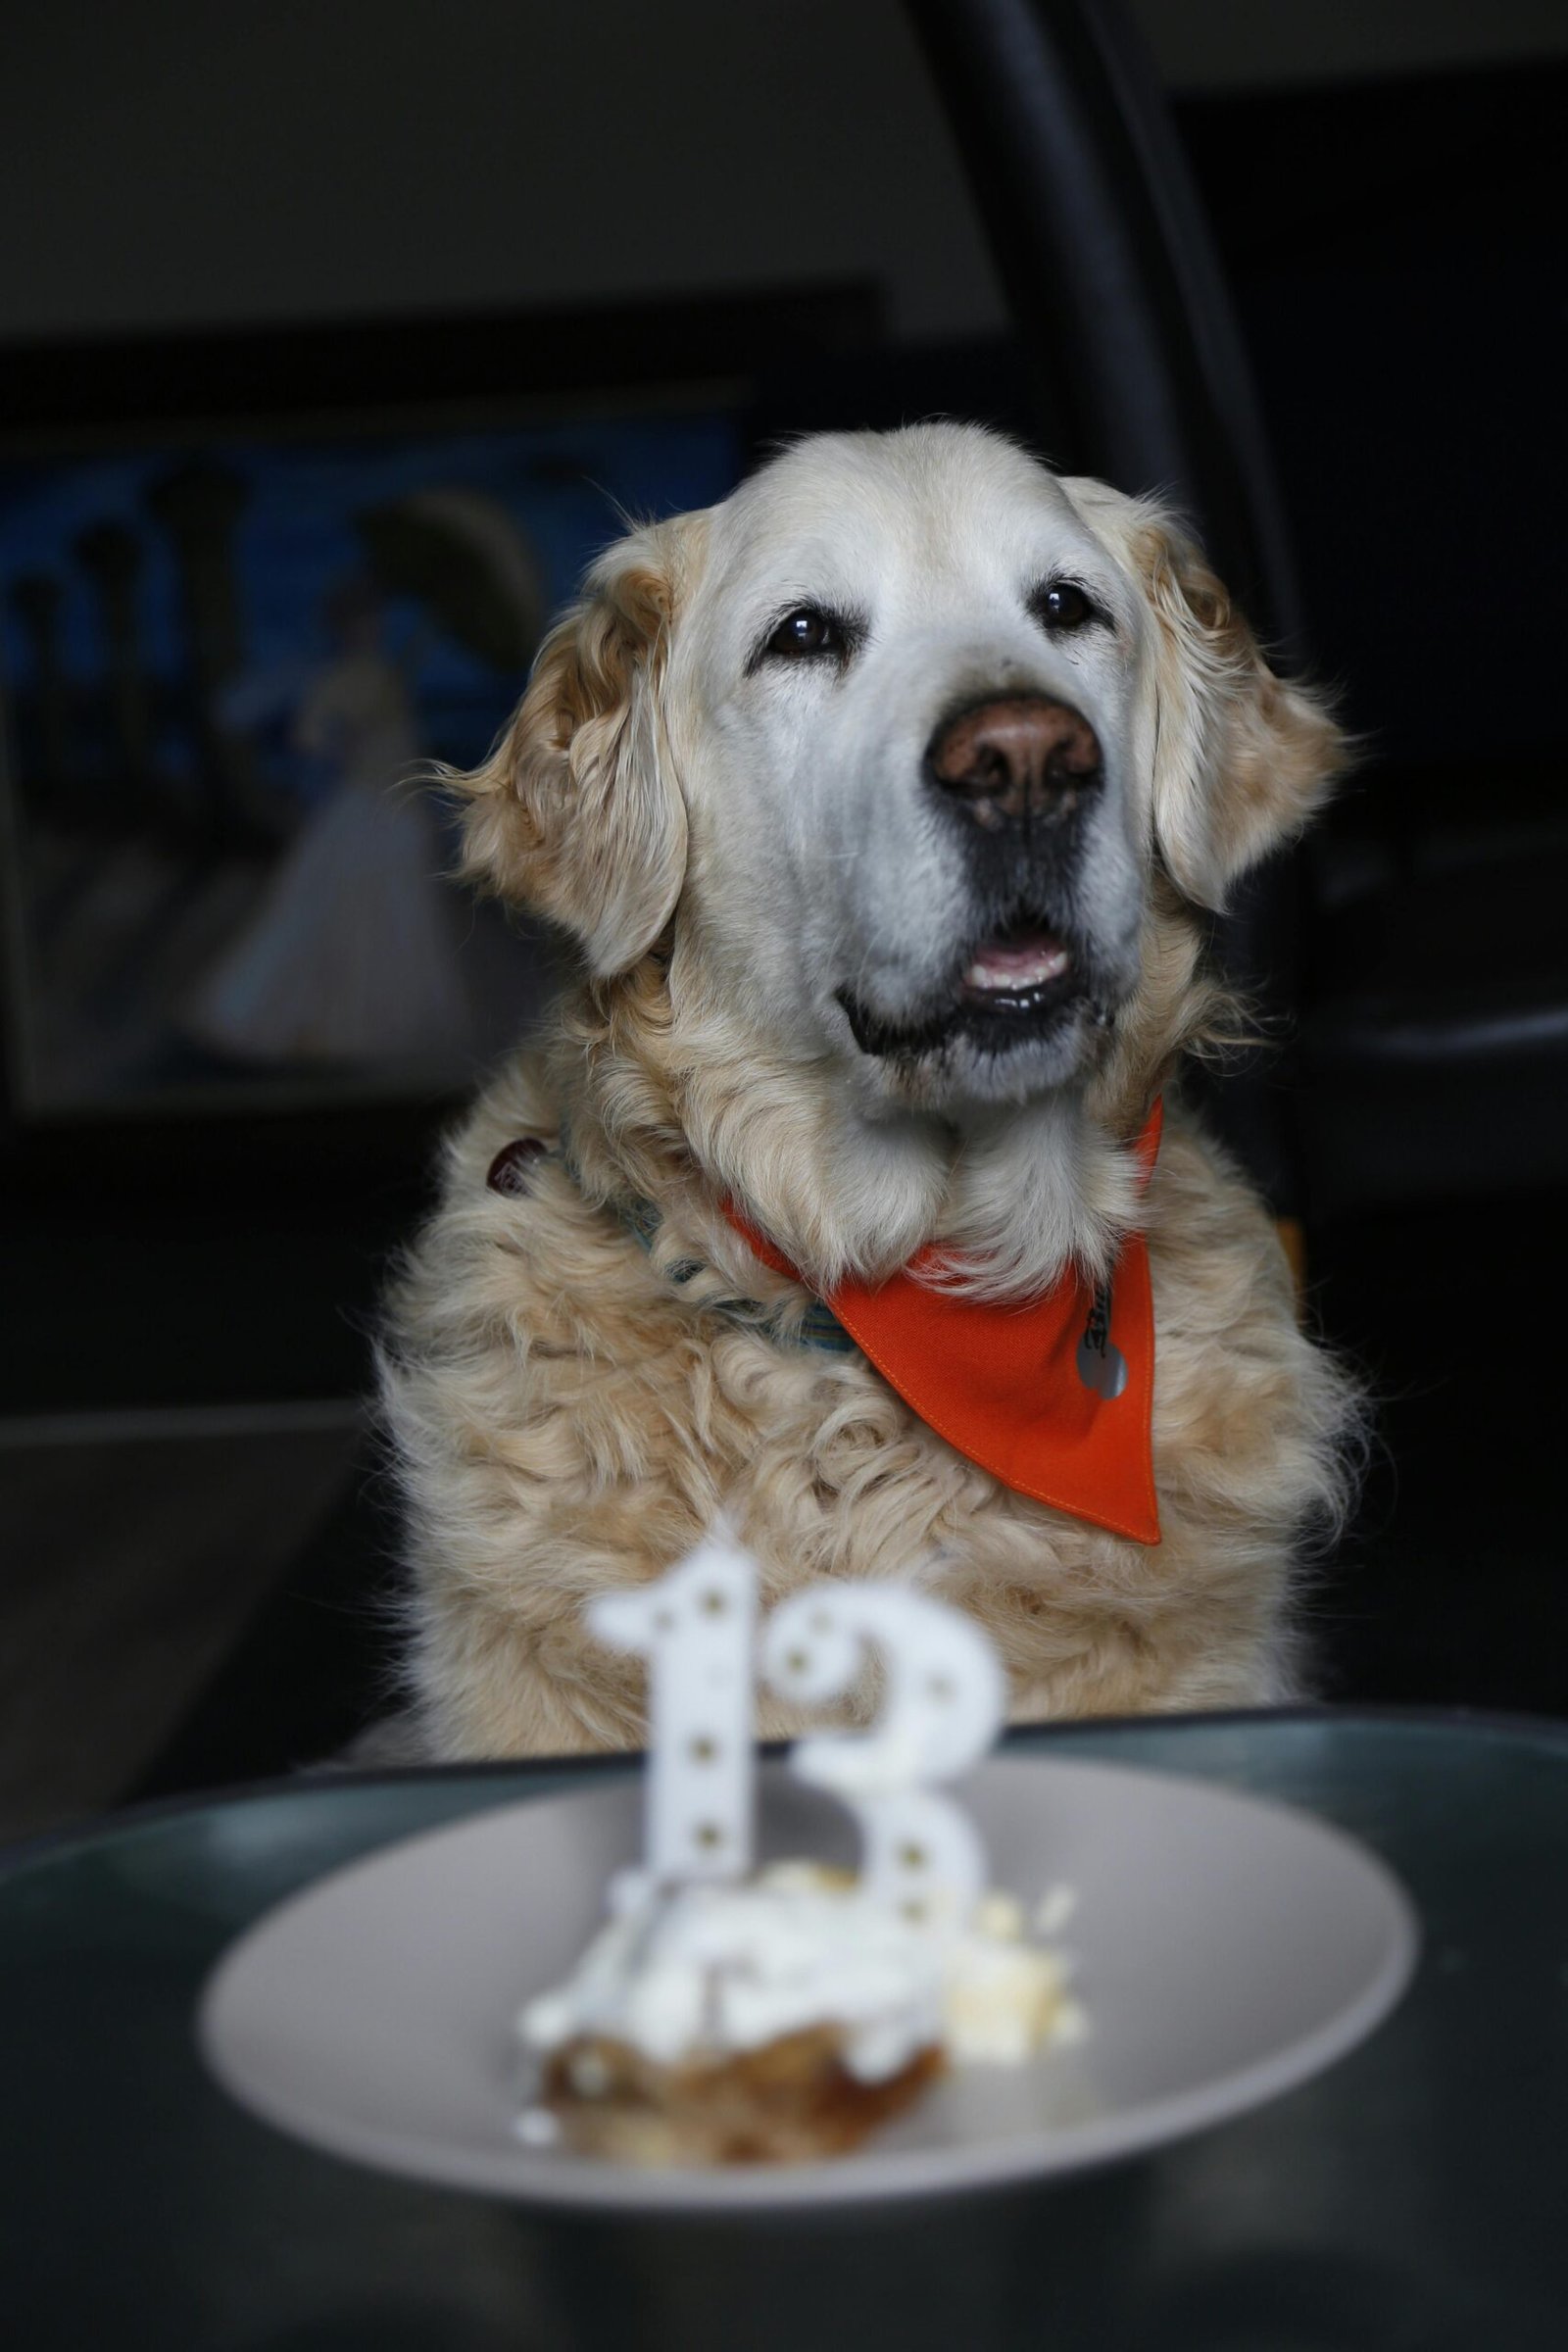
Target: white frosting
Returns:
[706, 1970]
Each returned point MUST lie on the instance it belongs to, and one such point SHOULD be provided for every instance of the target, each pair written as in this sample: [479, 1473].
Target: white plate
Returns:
[1226, 1950]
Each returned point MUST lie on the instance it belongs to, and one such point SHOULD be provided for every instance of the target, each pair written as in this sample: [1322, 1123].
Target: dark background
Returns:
[211, 209]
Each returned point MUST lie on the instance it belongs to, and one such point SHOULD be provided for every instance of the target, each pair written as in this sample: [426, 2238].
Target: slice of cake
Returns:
[777, 2019]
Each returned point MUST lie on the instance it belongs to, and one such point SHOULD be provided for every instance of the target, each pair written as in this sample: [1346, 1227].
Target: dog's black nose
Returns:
[1014, 758]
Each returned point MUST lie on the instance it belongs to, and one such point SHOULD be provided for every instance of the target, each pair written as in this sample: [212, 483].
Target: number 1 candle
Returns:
[697, 1629]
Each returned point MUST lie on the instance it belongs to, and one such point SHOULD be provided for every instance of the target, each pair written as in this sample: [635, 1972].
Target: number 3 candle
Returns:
[944, 1699]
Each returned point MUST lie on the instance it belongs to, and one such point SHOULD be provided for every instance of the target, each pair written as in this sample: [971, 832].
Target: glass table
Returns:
[1415, 2195]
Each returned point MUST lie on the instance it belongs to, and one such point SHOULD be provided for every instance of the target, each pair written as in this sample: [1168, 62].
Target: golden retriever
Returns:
[883, 805]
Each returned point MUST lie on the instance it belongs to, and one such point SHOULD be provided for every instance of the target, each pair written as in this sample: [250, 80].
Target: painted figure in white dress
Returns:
[351, 957]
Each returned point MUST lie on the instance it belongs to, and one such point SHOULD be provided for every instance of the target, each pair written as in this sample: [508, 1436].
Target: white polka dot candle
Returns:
[944, 1700]
[697, 1630]
[944, 1697]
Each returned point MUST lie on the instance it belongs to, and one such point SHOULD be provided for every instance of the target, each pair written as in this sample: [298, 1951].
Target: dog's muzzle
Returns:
[1017, 775]
[1021, 765]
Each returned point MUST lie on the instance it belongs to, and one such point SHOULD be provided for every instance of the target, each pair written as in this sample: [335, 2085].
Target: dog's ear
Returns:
[1241, 758]
[575, 813]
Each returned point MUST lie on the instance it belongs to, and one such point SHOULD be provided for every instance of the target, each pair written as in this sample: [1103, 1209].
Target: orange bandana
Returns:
[1053, 1399]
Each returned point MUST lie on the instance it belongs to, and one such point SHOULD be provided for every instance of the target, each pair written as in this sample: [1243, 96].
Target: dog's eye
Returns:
[805, 632]
[1063, 605]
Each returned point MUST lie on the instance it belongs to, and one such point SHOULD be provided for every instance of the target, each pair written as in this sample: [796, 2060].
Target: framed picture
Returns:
[253, 592]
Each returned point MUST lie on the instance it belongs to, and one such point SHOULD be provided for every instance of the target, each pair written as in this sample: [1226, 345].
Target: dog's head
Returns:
[897, 738]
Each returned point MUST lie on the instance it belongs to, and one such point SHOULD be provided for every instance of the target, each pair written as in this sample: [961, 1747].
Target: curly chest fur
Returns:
[570, 1420]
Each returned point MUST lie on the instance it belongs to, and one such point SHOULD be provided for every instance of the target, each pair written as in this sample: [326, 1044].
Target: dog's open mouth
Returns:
[1017, 972]
[1013, 988]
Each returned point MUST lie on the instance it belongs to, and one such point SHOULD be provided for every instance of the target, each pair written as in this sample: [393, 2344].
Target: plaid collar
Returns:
[818, 1327]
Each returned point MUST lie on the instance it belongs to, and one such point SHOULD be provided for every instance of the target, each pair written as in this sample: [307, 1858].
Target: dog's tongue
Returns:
[1014, 964]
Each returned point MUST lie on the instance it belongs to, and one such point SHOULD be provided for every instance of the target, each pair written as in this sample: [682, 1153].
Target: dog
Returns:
[885, 806]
